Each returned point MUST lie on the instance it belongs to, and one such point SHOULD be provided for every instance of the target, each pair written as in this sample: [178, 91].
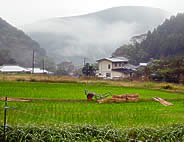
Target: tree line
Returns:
[168, 70]
[167, 40]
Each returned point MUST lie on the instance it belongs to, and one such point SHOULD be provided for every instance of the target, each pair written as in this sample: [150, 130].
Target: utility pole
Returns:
[33, 63]
[5, 109]
[43, 65]
[84, 61]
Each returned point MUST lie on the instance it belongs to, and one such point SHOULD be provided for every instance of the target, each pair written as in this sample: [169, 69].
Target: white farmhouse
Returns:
[13, 69]
[115, 67]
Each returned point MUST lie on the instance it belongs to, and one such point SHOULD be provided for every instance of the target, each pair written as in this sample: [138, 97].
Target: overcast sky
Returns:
[21, 12]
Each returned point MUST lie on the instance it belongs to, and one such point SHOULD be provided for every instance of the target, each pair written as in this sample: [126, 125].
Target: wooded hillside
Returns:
[167, 40]
[17, 47]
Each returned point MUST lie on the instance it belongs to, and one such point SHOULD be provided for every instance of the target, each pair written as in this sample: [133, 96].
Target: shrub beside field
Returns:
[93, 133]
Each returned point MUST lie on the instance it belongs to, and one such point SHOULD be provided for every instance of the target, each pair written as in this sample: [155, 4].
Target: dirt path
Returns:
[16, 100]
[75, 100]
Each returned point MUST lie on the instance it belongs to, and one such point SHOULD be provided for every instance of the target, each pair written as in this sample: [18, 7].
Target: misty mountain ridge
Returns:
[94, 35]
[16, 47]
[165, 41]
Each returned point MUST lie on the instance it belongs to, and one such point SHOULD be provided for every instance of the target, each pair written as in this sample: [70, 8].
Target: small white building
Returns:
[143, 64]
[115, 67]
[13, 69]
[39, 71]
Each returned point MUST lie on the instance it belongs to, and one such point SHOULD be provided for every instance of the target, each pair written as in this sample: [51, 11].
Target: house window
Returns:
[115, 64]
[119, 64]
[108, 74]
[109, 66]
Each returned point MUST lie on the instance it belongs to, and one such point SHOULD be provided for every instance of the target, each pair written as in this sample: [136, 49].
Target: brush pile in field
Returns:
[121, 98]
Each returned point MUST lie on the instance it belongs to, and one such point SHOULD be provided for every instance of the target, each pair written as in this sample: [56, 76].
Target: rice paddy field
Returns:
[74, 90]
[48, 106]
[55, 111]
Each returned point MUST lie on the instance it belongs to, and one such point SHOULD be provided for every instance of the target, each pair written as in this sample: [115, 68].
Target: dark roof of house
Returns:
[128, 68]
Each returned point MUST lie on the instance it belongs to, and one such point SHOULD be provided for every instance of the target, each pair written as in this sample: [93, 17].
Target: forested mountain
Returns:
[94, 35]
[167, 40]
[16, 47]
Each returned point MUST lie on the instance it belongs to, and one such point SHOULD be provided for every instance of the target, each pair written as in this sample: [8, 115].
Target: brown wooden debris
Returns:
[121, 98]
[162, 101]
[15, 100]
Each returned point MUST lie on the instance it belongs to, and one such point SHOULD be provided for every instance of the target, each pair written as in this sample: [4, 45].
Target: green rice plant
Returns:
[116, 115]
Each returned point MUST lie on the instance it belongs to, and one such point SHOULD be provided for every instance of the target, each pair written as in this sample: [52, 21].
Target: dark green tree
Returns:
[88, 70]
[169, 70]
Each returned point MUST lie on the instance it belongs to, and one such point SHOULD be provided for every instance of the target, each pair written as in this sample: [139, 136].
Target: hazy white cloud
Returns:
[20, 12]
[92, 38]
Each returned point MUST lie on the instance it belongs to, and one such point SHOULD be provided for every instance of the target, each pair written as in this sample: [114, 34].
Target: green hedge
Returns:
[93, 133]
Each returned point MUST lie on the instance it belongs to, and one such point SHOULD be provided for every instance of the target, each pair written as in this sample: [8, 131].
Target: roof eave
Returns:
[103, 59]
